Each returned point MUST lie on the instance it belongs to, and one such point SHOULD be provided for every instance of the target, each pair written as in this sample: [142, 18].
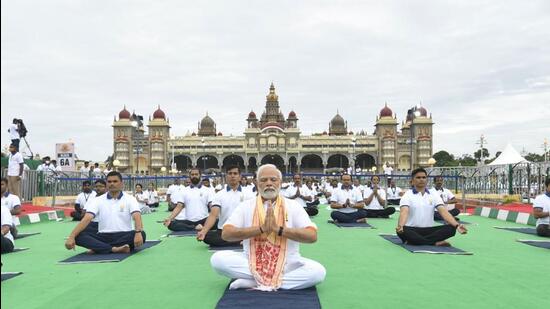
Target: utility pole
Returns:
[481, 142]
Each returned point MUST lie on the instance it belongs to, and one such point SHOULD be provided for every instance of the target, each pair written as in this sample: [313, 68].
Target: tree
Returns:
[467, 160]
[443, 158]
[534, 157]
[477, 154]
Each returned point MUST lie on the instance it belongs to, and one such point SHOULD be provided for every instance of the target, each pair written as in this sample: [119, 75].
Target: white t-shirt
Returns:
[446, 195]
[174, 188]
[542, 201]
[84, 172]
[14, 161]
[341, 195]
[114, 214]
[97, 172]
[14, 134]
[421, 207]
[388, 170]
[227, 200]
[84, 198]
[7, 220]
[195, 199]
[152, 197]
[374, 204]
[10, 201]
[393, 193]
[297, 217]
[140, 198]
[304, 191]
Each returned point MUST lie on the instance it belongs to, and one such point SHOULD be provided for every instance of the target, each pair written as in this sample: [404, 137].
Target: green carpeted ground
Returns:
[363, 271]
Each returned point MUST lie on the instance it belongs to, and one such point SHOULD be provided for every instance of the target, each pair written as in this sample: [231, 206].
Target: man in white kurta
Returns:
[293, 270]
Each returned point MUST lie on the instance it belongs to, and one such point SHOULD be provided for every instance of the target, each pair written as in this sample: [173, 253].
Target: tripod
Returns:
[29, 147]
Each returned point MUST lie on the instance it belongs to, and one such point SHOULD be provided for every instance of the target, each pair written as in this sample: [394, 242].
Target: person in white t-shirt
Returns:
[141, 198]
[97, 171]
[331, 188]
[314, 204]
[394, 194]
[56, 167]
[447, 197]
[81, 200]
[11, 202]
[152, 197]
[100, 188]
[85, 170]
[115, 212]
[375, 200]
[271, 228]
[192, 206]
[7, 244]
[388, 171]
[541, 211]
[173, 188]
[223, 204]
[301, 194]
[346, 202]
[416, 220]
[15, 170]
[14, 133]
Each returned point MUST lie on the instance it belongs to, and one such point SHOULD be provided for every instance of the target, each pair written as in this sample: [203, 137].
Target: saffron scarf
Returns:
[267, 254]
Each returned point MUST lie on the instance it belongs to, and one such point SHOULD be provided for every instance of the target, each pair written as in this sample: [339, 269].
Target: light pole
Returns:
[173, 165]
[204, 158]
[413, 113]
[116, 164]
[353, 142]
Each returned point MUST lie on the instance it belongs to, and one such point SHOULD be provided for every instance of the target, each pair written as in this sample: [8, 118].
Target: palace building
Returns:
[272, 138]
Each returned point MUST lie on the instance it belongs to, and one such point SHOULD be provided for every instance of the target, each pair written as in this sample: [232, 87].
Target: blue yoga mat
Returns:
[7, 276]
[281, 299]
[424, 249]
[17, 250]
[108, 257]
[524, 230]
[182, 234]
[536, 243]
[353, 224]
[23, 235]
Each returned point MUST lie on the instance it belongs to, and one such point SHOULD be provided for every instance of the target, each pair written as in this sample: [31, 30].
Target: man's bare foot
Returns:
[198, 227]
[442, 244]
[121, 249]
[362, 220]
[90, 251]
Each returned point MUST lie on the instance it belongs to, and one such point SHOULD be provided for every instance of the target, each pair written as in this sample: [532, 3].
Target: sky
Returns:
[480, 67]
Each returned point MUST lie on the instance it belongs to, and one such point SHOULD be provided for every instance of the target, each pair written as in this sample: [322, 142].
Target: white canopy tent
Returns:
[508, 156]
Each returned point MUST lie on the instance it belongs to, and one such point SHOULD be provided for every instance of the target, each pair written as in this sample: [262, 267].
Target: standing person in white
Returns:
[15, 170]
[416, 220]
[301, 194]
[541, 211]
[14, 133]
[7, 243]
[388, 171]
[115, 211]
[192, 205]
[85, 170]
[346, 202]
[271, 228]
[447, 197]
[223, 205]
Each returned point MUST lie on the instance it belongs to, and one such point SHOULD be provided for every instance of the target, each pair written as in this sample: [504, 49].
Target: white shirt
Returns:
[394, 193]
[296, 218]
[14, 134]
[7, 220]
[304, 191]
[10, 201]
[114, 215]
[140, 198]
[388, 170]
[152, 197]
[542, 201]
[84, 198]
[97, 172]
[446, 195]
[84, 172]
[48, 169]
[14, 161]
[195, 199]
[174, 188]
[227, 200]
[421, 207]
[341, 195]
[374, 204]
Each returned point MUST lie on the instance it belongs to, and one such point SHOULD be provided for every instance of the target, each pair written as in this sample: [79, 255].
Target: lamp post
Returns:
[116, 164]
[353, 143]
[137, 149]
[413, 113]
[163, 170]
[173, 165]
[204, 158]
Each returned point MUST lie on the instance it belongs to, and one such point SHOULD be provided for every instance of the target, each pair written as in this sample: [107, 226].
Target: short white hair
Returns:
[265, 166]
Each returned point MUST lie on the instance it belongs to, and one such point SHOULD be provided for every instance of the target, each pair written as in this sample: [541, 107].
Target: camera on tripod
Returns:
[22, 129]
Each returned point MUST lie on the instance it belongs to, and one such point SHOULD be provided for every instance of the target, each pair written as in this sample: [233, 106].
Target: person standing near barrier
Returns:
[14, 133]
[388, 171]
[85, 170]
[541, 211]
[447, 197]
[394, 194]
[115, 212]
[15, 170]
[416, 219]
